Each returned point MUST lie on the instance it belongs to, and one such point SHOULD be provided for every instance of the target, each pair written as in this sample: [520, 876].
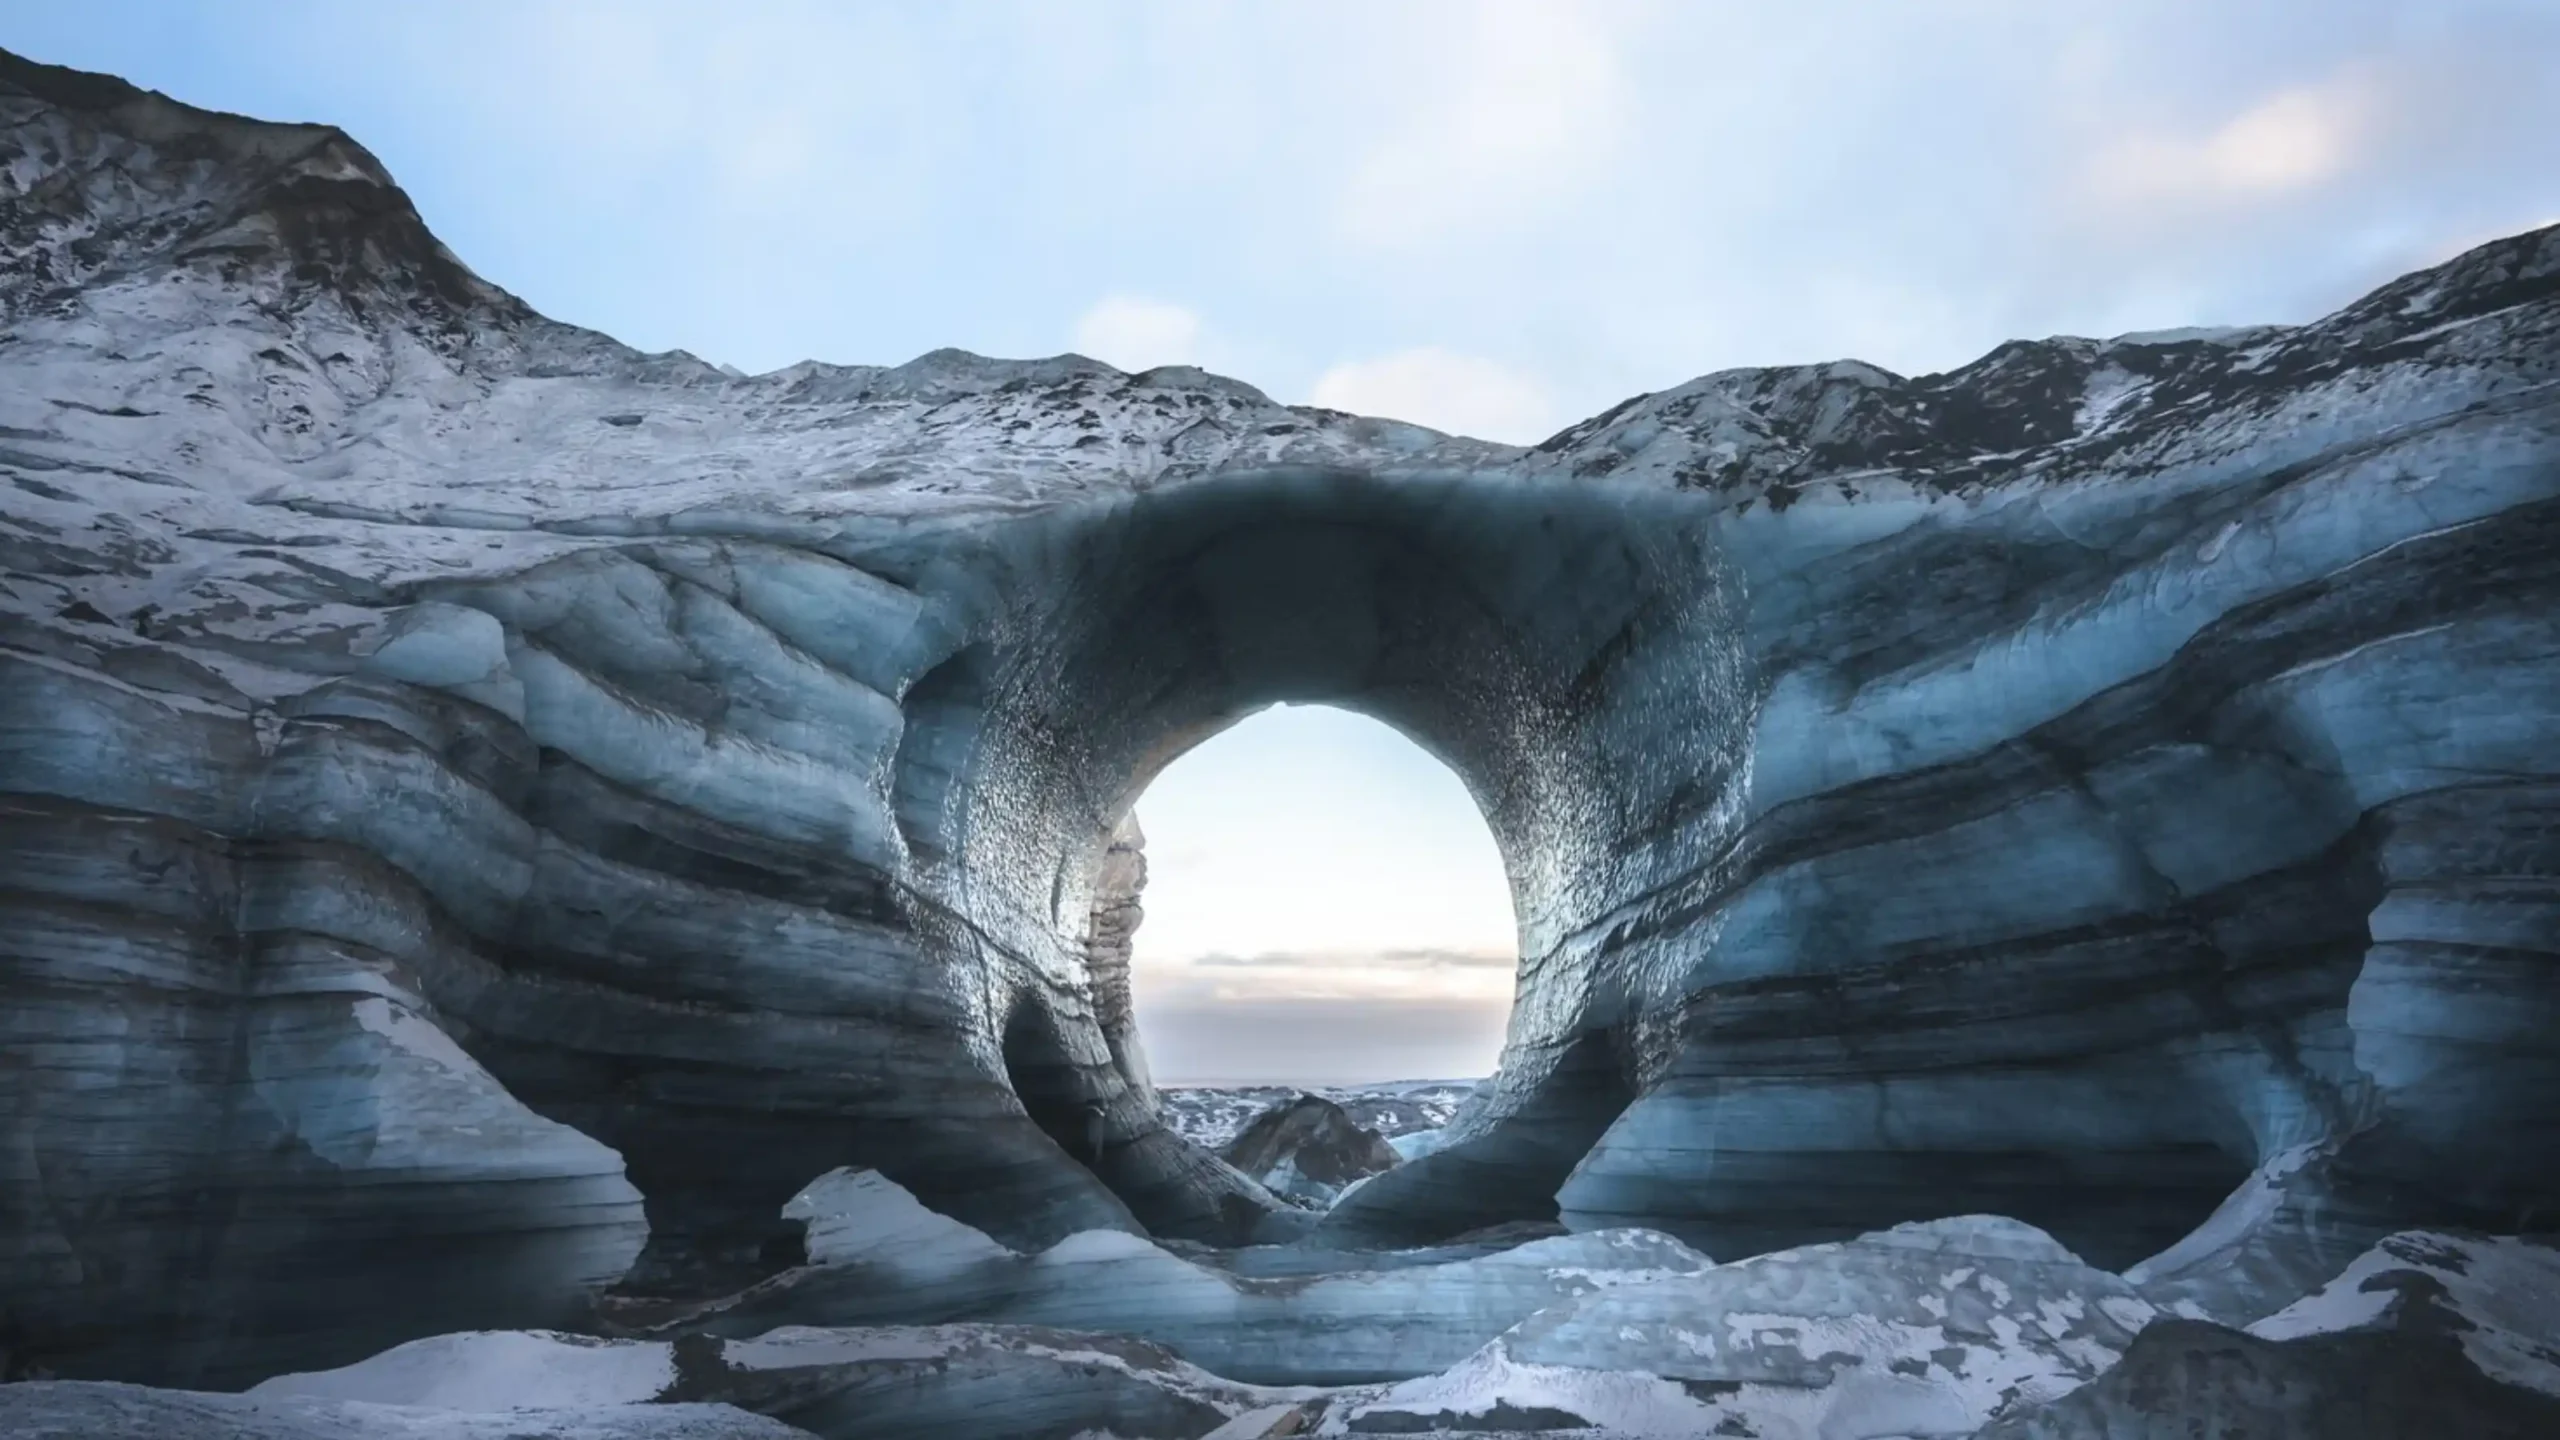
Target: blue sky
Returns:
[1493, 216]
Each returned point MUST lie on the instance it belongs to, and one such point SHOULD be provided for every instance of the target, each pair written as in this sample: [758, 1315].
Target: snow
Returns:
[262, 478]
[1212, 1115]
[2195, 334]
[1096, 1247]
[1923, 1330]
[1254, 1424]
[91, 1410]
[2504, 1292]
[861, 1216]
[1636, 1403]
[405, 1029]
[2234, 1220]
[490, 1370]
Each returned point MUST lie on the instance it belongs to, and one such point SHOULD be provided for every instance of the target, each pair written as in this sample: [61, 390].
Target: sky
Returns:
[1489, 216]
[1324, 906]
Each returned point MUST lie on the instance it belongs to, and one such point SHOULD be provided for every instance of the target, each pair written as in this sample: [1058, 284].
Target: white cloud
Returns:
[2294, 140]
[1531, 108]
[1460, 394]
[1136, 333]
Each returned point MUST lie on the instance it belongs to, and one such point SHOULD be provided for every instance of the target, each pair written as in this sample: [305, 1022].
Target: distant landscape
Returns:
[1211, 1115]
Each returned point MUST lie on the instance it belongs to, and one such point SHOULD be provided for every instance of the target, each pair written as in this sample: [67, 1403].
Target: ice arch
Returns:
[1322, 904]
[1529, 637]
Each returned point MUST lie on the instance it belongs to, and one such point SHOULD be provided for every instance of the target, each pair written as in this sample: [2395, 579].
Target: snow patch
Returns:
[495, 1370]
[409, 1031]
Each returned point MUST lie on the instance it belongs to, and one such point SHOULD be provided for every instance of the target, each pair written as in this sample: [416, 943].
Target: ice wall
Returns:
[1525, 634]
[465, 783]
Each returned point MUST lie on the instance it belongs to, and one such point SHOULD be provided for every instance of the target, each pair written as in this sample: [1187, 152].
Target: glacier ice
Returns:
[2073, 787]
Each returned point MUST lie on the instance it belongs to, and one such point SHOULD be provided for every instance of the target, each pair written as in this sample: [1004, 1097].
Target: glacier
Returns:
[490, 817]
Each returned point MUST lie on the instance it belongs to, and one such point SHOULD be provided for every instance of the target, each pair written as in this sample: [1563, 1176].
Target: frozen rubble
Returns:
[1924, 1330]
[880, 1258]
[1974, 1326]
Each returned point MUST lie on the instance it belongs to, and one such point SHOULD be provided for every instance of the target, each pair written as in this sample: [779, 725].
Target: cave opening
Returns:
[1506, 643]
[1309, 903]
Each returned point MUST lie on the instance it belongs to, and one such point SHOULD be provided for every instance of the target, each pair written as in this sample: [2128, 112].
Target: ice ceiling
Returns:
[1533, 638]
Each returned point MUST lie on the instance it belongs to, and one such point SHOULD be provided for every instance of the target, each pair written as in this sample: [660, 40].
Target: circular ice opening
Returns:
[1324, 907]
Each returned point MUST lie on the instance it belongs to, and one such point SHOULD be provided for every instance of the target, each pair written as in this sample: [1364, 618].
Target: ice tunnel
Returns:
[1525, 636]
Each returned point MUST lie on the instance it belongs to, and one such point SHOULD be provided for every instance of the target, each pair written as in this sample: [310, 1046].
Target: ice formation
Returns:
[489, 813]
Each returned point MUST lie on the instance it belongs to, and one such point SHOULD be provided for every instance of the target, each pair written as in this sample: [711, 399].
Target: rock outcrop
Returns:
[2422, 1335]
[1309, 1149]
[2057, 788]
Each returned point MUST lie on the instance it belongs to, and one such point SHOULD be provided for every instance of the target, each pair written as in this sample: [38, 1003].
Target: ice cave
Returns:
[553, 890]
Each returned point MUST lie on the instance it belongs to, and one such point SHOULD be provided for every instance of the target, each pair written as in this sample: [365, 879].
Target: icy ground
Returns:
[1974, 1326]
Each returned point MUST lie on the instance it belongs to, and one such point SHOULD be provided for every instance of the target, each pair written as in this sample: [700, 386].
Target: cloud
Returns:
[1137, 333]
[1410, 975]
[2294, 140]
[1445, 390]
[1320, 1042]
[1433, 958]
[1529, 107]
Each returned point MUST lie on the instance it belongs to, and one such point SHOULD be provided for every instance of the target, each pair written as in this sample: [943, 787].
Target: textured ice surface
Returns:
[2501, 1296]
[1333, 1318]
[839, 1384]
[862, 1217]
[1924, 1330]
[2426, 1334]
[2055, 788]
[494, 1370]
[93, 1410]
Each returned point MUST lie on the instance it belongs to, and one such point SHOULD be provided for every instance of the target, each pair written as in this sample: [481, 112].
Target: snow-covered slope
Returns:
[238, 338]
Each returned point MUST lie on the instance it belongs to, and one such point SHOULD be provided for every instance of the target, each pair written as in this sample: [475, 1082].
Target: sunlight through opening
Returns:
[1324, 907]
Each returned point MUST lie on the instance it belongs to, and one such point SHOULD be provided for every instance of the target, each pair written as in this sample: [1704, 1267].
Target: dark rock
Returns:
[2193, 1377]
[1308, 1144]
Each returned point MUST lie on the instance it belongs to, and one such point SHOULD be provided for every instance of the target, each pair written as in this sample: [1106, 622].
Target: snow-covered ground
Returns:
[1212, 1115]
